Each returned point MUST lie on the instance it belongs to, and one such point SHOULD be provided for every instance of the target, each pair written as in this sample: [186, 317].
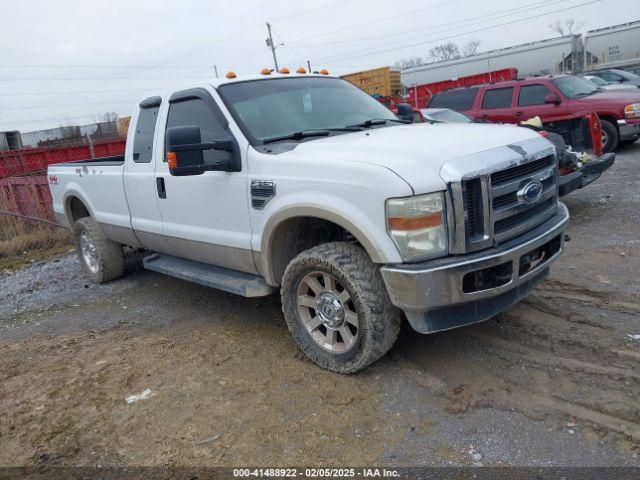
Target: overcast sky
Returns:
[70, 61]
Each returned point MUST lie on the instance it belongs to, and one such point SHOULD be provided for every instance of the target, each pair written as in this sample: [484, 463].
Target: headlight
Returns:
[632, 111]
[417, 226]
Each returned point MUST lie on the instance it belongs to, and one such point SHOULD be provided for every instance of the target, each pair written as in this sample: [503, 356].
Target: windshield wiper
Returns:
[377, 121]
[324, 132]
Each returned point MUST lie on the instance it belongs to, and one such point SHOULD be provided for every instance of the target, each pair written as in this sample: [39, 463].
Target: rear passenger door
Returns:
[139, 177]
[497, 105]
[531, 103]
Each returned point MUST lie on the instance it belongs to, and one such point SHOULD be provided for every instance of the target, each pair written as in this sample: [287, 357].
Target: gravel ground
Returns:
[552, 381]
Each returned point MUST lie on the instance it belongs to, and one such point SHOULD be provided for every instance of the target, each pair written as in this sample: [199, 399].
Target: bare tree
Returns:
[445, 51]
[570, 26]
[409, 62]
[109, 117]
[471, 48]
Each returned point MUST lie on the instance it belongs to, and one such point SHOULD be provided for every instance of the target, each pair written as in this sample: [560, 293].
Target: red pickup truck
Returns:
[550, 97]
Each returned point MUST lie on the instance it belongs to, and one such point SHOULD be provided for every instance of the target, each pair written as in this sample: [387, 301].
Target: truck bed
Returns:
[98, 183]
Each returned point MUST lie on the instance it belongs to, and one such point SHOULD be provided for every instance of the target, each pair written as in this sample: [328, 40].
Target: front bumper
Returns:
[629, 129]
[459, 290]
[587, 174]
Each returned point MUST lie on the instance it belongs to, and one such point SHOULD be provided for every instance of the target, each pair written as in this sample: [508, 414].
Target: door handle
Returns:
[162, 191]
[519, 113]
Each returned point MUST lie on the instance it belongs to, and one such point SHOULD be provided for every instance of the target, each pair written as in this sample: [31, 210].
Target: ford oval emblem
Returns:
[531, 192]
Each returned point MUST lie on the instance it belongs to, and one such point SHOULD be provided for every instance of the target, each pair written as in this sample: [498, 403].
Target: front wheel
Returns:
[610, 136]
[102, 259]
[337, 308]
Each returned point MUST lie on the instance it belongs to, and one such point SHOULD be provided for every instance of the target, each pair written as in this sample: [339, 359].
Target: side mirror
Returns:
[405, 112]
[552, 98]
[185, 151]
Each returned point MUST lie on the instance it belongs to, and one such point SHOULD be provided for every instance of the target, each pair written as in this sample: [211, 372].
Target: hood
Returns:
[620, 97]
[415, 152]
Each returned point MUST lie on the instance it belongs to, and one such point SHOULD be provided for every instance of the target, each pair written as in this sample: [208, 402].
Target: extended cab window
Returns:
[459, 100]
[203, 114]
[533, 95]
[497, 98]
[145, 129]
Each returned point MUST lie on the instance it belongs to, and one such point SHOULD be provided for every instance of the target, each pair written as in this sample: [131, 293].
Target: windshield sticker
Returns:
[306, 102]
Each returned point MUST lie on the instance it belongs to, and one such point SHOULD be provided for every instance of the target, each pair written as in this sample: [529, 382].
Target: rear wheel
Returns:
[337, 308]
[102, 260]
[610, 136]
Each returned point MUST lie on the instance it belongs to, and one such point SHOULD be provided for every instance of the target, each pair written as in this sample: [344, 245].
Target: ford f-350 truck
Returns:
[306, 184]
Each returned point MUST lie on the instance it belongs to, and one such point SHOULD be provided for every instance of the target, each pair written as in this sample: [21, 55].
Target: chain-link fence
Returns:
[27, 223]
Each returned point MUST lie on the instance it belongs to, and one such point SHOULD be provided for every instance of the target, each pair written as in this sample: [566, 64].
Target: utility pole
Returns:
[309, 65]
[215, 68]
[269, 42]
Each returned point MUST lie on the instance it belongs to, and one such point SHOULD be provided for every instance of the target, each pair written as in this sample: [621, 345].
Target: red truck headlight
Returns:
[632, 111]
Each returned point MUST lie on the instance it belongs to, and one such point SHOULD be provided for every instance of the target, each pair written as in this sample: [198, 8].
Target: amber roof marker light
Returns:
[301, 70]
[324, 71]
[265, 71]
[284, 70]
[231, 75]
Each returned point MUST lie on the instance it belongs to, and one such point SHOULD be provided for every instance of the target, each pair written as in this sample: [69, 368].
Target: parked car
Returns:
[617, 76]
[307, 185]
[577, 139]
[610, 86]
[549, 97]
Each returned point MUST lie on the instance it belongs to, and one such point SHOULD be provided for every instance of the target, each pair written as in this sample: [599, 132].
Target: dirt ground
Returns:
[553, 381]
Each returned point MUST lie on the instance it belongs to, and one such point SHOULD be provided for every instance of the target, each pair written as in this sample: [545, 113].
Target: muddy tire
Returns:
[610, 136]
[102, 260]
[337, 308]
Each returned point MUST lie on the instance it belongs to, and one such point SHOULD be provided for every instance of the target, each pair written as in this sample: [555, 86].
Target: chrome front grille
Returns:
[511, 215]
[492, 208]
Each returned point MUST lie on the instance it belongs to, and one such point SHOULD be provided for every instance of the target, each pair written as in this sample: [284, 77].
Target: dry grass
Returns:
[22, 241]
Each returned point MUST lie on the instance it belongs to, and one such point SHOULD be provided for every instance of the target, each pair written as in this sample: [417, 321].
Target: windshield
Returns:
[575, 87]
[449, 116]
[266, 109]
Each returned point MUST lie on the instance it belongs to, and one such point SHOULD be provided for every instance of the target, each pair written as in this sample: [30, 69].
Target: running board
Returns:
[231, 281]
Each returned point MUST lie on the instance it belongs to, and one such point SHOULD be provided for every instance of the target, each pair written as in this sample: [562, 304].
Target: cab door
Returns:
[205, 217]
[532, 102]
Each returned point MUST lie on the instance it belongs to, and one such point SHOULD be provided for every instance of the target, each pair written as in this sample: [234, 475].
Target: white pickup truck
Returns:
[305, 183]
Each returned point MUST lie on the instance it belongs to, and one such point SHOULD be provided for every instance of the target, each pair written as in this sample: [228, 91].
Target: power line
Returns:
[303, 12]
[66, 79]
[334, 59]
[65, 118]
[32, 107]
[385, 19]
[68, 92]
[512, 11]
[102, 66]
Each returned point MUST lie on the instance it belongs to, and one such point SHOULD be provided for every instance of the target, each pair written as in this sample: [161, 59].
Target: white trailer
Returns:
[538, 58]
[613, 47]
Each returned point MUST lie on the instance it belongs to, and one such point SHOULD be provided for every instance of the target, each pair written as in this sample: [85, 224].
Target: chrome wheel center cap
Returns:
[330, 310]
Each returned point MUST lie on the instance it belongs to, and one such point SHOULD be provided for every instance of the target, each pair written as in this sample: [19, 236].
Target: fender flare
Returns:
[265, 264]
